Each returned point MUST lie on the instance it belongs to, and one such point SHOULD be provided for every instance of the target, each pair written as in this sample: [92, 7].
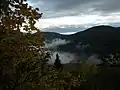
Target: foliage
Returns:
[107, 78]
[3, 6]
[53, 79]
[22, 56]
[112, 59]
[18, 15]
[72, 79]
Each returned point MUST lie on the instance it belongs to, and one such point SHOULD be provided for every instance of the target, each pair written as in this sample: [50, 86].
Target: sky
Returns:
[71, 16]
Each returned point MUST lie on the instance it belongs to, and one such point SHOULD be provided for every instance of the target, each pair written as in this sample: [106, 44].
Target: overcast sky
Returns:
[70, 16]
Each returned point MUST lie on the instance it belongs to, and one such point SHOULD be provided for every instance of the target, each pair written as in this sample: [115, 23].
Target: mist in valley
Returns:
[68, 57]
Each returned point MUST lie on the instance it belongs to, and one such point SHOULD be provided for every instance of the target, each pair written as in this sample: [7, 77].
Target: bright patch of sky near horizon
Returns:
[70, 16]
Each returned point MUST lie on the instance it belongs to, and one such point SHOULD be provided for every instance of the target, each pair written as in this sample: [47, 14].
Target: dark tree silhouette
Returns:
[57, 62]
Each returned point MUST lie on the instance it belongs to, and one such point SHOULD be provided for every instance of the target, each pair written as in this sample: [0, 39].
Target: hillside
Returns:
[100, 39]
[49, 36]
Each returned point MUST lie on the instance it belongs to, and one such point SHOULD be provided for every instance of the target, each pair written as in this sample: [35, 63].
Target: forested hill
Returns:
[101, 39]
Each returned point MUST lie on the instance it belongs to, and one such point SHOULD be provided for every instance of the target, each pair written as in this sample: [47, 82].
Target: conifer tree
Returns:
[57, 62]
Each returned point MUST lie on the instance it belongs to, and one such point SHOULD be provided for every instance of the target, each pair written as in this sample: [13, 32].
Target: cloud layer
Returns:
[58, 8]
[76, 13]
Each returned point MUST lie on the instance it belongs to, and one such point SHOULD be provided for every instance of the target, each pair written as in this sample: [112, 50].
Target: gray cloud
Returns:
[56, 8]
[65, 29]
[77, 28]
[109, 6]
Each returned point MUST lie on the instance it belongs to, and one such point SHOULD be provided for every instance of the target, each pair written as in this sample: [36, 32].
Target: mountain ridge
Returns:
[101, 40]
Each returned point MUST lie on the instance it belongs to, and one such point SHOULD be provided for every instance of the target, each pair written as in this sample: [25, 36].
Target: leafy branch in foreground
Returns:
[22, 55]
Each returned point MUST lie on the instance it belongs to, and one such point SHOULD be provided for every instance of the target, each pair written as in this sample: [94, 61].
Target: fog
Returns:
[67, 57]
[93, 59]
[56, 42]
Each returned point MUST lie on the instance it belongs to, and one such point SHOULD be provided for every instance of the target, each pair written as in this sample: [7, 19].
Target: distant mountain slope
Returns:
[101, 40]
[52, 35]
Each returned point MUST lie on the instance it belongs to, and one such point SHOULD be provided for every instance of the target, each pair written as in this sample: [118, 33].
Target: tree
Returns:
[3, 6]
[22, 55]
[57, 63]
